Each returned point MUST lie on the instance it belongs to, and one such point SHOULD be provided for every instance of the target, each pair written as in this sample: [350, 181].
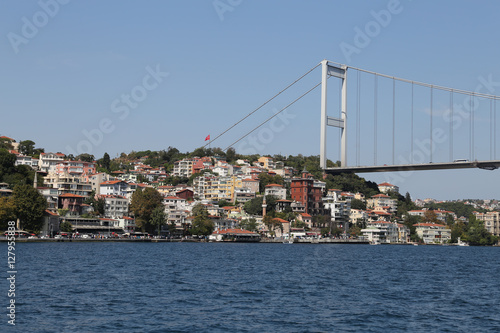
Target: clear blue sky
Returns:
[66, 68]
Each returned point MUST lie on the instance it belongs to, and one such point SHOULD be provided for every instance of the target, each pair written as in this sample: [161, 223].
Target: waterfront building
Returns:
[115, 206]
[491, 221]
[433, 233]
[381, 232]
[72, 202]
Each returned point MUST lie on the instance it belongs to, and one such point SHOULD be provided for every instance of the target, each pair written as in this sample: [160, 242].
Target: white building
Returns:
[381, 232]
[276, 190]
[49, 161]
[432, 233]
[115, 187]
[115, 206]
[386, 187]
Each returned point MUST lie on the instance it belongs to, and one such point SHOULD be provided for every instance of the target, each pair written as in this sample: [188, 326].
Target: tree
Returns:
[477, 234]
[231, 155]
[430, 217]
[266, 179]
[66, 227]
[254, 206]
[27, 147]
[7, 163]
[249, 224]
[5, 144]
[86, 157]
[202, 225]
[158, 218]
[358, 204]
[30, 206]
[105, 162]
[143, 204]
[7, 211]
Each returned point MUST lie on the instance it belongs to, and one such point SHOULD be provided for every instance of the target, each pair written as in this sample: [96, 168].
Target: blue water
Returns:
[211, 287]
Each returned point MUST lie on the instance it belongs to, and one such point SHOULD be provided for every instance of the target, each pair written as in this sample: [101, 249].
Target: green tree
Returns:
[7, 163]
[477, 234]
[5, 144]
[7, 211]
[27, 147]
[30, 206]
[254, 206]
[86, 157]
[266, 179]
[249, 224]
[202, 225]
[142, 206]
[358, 204]
[105, 162]
[158, 218]
[66, 227]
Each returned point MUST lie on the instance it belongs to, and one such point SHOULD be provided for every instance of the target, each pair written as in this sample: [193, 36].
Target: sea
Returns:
[251, 287]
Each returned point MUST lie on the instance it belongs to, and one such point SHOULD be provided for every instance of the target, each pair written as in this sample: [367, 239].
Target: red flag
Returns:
[207, 138]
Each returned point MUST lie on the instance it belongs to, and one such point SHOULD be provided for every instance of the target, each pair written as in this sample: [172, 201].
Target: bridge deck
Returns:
[487, 165]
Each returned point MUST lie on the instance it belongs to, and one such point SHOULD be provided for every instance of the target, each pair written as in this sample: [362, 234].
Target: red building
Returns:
[303, 190]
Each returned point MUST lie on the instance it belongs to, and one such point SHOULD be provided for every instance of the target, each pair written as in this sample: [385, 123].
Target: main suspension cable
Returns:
[260, 107]
[274, 115]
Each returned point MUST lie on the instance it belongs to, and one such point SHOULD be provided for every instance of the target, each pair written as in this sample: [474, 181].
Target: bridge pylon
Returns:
[329, 69]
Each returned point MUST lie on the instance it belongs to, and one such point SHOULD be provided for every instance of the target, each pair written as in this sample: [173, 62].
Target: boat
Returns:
[288, 241]
[374, 242]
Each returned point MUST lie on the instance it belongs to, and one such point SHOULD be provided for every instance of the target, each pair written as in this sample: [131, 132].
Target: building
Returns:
[381, 200]
[184, 167]
[303, 190]
[76, 168]
[266, 162]
[491, 221]
[386, 187]
[115, 187]
[381, 232]
[27, 160]
[96, 179]
[49, 161]
[68, 184]
[276, 190]
[433, 233]
[115, 206]
[72, 202]
[4, 190]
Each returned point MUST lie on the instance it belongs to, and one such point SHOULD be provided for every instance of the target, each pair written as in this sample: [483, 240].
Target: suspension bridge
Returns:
[404, 125]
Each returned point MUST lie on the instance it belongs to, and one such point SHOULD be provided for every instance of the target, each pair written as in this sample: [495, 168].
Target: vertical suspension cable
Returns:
[432, 144]
[491, 129]
[375, 93]
[340, 117]
[393, 118]
[411, 134]
[495, 129]
[470, 128]
[451, 125]
[358, 126]
[472, 142]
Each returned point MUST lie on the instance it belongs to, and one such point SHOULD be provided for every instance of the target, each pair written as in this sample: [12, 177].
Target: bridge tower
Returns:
[329, 69]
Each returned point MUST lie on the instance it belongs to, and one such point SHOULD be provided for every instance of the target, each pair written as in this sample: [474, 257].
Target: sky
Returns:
[121, 76]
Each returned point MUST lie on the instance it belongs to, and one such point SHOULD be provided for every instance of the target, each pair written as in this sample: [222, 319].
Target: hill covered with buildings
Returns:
[173, 194]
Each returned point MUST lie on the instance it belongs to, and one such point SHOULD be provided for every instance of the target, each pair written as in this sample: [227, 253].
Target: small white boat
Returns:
[288, 241]
[374, 242]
